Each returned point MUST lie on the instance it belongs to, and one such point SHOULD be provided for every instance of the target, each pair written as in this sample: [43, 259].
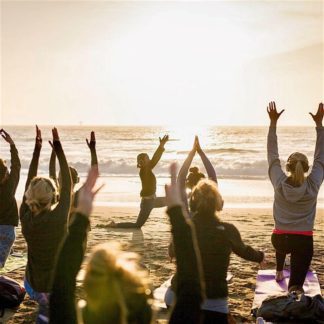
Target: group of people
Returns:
[55, 221]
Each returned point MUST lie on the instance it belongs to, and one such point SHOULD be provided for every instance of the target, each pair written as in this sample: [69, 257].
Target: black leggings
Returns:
[301, 249]
[146, 207]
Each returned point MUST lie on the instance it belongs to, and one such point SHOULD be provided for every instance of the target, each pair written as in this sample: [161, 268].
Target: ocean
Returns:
[237, 153]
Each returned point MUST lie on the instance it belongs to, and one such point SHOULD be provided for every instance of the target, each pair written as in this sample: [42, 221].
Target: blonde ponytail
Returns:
[297, 165]
[298, 176]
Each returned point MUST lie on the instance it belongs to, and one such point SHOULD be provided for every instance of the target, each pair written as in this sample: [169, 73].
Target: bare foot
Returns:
[279, 276]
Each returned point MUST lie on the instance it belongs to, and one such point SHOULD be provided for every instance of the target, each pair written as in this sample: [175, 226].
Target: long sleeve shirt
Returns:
[294, 208]
[45, 231]
[181, 179]
[8, 204]
[147, 176]
[216, 241]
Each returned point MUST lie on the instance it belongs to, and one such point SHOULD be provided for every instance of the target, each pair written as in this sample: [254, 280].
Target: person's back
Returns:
[295, 199]
[44, 225]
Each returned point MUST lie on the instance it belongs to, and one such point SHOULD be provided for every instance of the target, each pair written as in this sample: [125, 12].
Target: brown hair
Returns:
[205, 198]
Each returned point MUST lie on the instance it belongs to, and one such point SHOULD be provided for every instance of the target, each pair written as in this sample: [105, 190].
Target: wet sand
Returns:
[152, 241]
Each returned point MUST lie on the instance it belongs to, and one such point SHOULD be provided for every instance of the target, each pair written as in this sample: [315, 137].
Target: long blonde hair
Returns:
[205, 198]
[115, 286]
[297, 165]
[41, 194]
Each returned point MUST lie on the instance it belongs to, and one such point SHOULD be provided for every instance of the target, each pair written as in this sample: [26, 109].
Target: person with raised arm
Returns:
[8, 205]
[148, 192]
[295, 198]
[44, 224]
[116, 290]
[216, 241]
[189, 181]
[74, 173]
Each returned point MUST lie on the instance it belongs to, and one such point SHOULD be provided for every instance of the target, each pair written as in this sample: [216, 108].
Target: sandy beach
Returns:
[152, 241]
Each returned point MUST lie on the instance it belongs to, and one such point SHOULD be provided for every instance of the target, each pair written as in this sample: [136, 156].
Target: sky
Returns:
[160, 63]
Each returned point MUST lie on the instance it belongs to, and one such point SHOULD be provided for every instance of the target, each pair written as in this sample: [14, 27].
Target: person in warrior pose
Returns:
[148, 196]
[295, 198]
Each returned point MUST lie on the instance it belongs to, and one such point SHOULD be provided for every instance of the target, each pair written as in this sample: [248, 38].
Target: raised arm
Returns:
[65, 193]
[244, 251]
[275, 171]
[183, 174]
[62, 301]
[317, 172]
[92, 147]
[15, 163]
[32, 172]
[190, 286]
[52, 166]
[158, 153]
[207, 164]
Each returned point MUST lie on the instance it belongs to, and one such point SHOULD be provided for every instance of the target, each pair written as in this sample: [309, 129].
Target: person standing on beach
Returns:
[8, 205]
[295, 198]
[74, 173]
[148, 196]
[44, 225]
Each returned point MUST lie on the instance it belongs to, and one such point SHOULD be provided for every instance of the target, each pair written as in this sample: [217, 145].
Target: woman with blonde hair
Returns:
[295, 198]
[117, 291]
[43, 224]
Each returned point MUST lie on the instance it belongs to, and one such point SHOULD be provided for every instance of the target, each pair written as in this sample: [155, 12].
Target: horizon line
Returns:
[149, 125]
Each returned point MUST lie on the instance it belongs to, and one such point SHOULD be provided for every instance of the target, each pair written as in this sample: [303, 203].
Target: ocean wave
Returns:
[122, 167]
[224, 150]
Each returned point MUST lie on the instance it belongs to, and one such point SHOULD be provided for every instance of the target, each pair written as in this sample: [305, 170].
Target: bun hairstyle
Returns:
[205, 198]
[297, 165]
[74, 176]
[117, 291]
[193, 177]
[41, 194]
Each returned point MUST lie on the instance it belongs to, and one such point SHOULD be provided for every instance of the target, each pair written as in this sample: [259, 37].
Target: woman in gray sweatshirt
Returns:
[295, 198]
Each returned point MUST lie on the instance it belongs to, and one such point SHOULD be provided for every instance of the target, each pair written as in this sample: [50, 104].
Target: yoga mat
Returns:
[266, 285]
[14, 262]
[159, 292]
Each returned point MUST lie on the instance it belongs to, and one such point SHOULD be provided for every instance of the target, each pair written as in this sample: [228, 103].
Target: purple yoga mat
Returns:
[266, 285]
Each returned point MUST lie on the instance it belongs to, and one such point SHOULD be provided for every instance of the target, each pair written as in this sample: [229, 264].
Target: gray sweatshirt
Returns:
[294, 208]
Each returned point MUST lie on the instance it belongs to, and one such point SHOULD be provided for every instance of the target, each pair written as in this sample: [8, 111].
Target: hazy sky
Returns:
[100, 62]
